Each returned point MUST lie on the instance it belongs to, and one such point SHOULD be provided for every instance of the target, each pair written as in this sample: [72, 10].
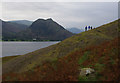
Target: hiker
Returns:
[89, 27]
[86, 28]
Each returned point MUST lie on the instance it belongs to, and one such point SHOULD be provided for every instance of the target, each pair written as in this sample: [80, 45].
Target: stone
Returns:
[86, 71]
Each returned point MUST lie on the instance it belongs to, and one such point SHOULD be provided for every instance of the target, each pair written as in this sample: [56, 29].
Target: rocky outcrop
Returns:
[86, 71]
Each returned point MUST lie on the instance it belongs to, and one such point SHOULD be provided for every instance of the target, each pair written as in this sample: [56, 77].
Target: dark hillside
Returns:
[24, 22]
[48, 30]
[39, 30]
[9, 30]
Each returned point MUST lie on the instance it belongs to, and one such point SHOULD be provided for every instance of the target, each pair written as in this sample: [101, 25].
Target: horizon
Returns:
[62, 25]
[77, 15]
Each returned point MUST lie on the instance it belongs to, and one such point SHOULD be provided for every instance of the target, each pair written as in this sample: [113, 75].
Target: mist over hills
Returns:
[75, 30]
[40, 29]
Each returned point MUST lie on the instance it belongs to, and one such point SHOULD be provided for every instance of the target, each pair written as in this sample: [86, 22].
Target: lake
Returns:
[20, 48]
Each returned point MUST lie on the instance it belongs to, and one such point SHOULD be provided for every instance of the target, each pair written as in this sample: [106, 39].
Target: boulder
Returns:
[86, 71]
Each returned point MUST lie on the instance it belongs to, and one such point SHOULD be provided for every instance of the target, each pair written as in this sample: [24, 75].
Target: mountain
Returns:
[75, 30]
[24, 22]
[40, 29]
[96, 48]
[48, 30]
[9, 30]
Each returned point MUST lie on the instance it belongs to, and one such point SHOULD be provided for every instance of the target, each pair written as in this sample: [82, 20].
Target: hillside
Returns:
[24, 22]
[39, 30]
[103, 58]
[91, 40]
[9, 30]
[48, 30]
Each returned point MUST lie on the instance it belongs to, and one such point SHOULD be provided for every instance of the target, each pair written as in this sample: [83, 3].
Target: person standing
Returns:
[86, 28]
[89, 27]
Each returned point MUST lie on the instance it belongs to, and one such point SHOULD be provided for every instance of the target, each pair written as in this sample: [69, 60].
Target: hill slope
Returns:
[28, 62]
[103, 58]
[9, 30]
[39, 30]
[25, 22]
[48, 30]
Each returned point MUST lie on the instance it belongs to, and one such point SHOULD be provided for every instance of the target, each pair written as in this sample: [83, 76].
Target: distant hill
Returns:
[50, 64]
[48, 30]
[25, 22]
[40, 29]
[9, 30]
[75, 30]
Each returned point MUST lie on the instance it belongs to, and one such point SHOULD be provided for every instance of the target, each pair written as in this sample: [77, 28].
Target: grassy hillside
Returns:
[5, 59]
[53, 54]
[103, 58]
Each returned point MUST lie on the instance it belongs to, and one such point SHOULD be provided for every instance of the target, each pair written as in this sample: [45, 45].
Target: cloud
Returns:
[68, 14]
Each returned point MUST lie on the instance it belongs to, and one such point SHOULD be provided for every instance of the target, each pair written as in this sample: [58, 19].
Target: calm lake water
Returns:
[20, 48]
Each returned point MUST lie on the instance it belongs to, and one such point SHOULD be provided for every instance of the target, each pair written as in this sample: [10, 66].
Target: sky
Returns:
[60, 0]
[67, 14]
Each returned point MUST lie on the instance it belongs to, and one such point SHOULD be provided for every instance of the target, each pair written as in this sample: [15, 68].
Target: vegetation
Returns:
[67, 67]
[97, 49]
[5, 59]
[24, 22]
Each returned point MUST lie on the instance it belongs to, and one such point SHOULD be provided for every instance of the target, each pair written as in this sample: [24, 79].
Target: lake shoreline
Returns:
[21, 48]
[30, 41]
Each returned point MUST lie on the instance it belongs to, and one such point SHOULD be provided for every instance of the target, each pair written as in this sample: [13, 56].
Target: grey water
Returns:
[20, 48]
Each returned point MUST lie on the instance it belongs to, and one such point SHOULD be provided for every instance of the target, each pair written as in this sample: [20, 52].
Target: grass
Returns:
[84, 57]
[67, 67]
[83, 78]
[7, 58]
[99, 67]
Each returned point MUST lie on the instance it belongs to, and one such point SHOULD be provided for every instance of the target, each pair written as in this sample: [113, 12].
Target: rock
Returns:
[86, 71]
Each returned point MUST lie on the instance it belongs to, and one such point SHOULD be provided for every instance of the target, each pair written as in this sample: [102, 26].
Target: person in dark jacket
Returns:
[89, 27]
[86, 28]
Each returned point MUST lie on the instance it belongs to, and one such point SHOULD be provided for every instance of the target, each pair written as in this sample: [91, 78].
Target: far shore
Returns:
[34, 41]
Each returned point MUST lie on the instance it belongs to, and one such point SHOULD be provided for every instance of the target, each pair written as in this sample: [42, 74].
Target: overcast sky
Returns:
[68, 14]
